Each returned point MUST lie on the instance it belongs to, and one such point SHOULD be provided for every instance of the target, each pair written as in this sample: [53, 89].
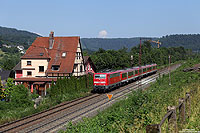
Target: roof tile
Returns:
[61, 44]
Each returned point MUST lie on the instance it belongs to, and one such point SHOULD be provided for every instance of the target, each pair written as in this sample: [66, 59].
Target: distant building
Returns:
[4, 74]
[7, 46]
[18, 70]
[48, 58]
[21, 49]
[89, 65]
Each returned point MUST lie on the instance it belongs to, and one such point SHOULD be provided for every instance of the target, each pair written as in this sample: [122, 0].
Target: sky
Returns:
[102, 18]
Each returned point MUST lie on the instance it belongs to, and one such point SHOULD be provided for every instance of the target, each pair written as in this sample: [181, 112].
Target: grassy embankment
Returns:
[146, 107]
[70, 89]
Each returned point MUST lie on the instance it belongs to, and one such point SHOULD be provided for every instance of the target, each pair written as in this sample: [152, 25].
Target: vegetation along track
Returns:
[54, 118]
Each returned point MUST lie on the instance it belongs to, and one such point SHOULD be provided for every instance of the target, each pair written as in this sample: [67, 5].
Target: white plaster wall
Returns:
[35, 63]
[79, 61]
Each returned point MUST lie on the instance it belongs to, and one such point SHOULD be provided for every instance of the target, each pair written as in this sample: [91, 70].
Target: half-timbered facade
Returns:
[48, 58]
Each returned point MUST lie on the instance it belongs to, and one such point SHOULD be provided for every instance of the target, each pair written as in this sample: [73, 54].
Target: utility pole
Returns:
[169, 70]
[140, 56]
[140, 59]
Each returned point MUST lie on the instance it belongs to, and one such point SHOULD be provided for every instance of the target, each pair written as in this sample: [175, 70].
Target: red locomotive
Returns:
[108, 80]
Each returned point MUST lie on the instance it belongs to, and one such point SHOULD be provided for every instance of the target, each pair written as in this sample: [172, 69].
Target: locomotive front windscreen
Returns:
[100, 76]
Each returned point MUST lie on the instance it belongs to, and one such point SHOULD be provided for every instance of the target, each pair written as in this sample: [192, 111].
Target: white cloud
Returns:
[103, 34]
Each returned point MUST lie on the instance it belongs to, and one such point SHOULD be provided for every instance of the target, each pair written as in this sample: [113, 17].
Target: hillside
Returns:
[94, 44]
[13, 36]
[190, 41]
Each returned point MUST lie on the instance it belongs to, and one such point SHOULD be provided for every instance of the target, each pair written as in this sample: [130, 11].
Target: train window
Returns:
[144, 70]
[130, 73]
[100, 76]
[114, 75]
[150, 68]
[136, 71]
[140, 71]
[124, 75]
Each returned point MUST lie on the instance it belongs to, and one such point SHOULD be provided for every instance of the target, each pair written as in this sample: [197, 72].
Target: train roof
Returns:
[109, 71]
[112, 72]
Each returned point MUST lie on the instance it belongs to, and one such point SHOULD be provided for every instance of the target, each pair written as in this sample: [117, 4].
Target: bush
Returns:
[20, 97]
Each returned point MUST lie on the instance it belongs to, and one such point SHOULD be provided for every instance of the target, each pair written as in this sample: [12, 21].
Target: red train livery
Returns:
[108, 80]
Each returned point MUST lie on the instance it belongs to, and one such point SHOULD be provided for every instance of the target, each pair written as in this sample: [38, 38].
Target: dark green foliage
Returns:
[121, 58]
[9, 61]
[34, 95]
[93, 44]
[13, 36]
[10, 50]
[69, 88]
[189, 41]
[20, 97]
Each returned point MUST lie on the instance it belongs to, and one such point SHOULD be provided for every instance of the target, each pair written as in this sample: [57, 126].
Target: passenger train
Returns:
[108, 80]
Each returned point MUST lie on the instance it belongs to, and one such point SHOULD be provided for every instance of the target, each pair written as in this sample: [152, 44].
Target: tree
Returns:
[9, 88]
[20, 97]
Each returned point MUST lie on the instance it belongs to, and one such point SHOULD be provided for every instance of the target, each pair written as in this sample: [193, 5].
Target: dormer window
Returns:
[28, 63]
[55, 67]
[64, 54]
[41, 54]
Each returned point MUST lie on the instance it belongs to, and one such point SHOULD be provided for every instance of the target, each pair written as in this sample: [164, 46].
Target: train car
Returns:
[105, 81]
[124, 76]
[153, 68]
[108, 80]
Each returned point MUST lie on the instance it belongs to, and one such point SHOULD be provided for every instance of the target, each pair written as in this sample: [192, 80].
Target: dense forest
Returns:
[13, 36]
[94, 44]
[119, 59]
[190, 41]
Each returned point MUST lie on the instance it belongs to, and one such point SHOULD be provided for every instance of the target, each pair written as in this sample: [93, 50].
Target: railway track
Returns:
[55, 118]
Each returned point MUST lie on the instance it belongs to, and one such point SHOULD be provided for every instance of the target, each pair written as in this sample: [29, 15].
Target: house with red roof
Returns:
[47, 59]
[89, 65]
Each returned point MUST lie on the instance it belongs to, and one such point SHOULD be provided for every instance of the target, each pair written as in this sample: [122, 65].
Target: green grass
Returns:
[142, 107]
[193, 121]
[70, 92]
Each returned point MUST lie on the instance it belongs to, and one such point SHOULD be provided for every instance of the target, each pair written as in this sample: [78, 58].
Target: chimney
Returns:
[51, 40]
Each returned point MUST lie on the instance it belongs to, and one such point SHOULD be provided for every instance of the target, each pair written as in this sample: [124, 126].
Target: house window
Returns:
[78, 55]
[28, 62]
[41, 68]
[81, 68]
[29, 73]
[55, 67]
[64, 54]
